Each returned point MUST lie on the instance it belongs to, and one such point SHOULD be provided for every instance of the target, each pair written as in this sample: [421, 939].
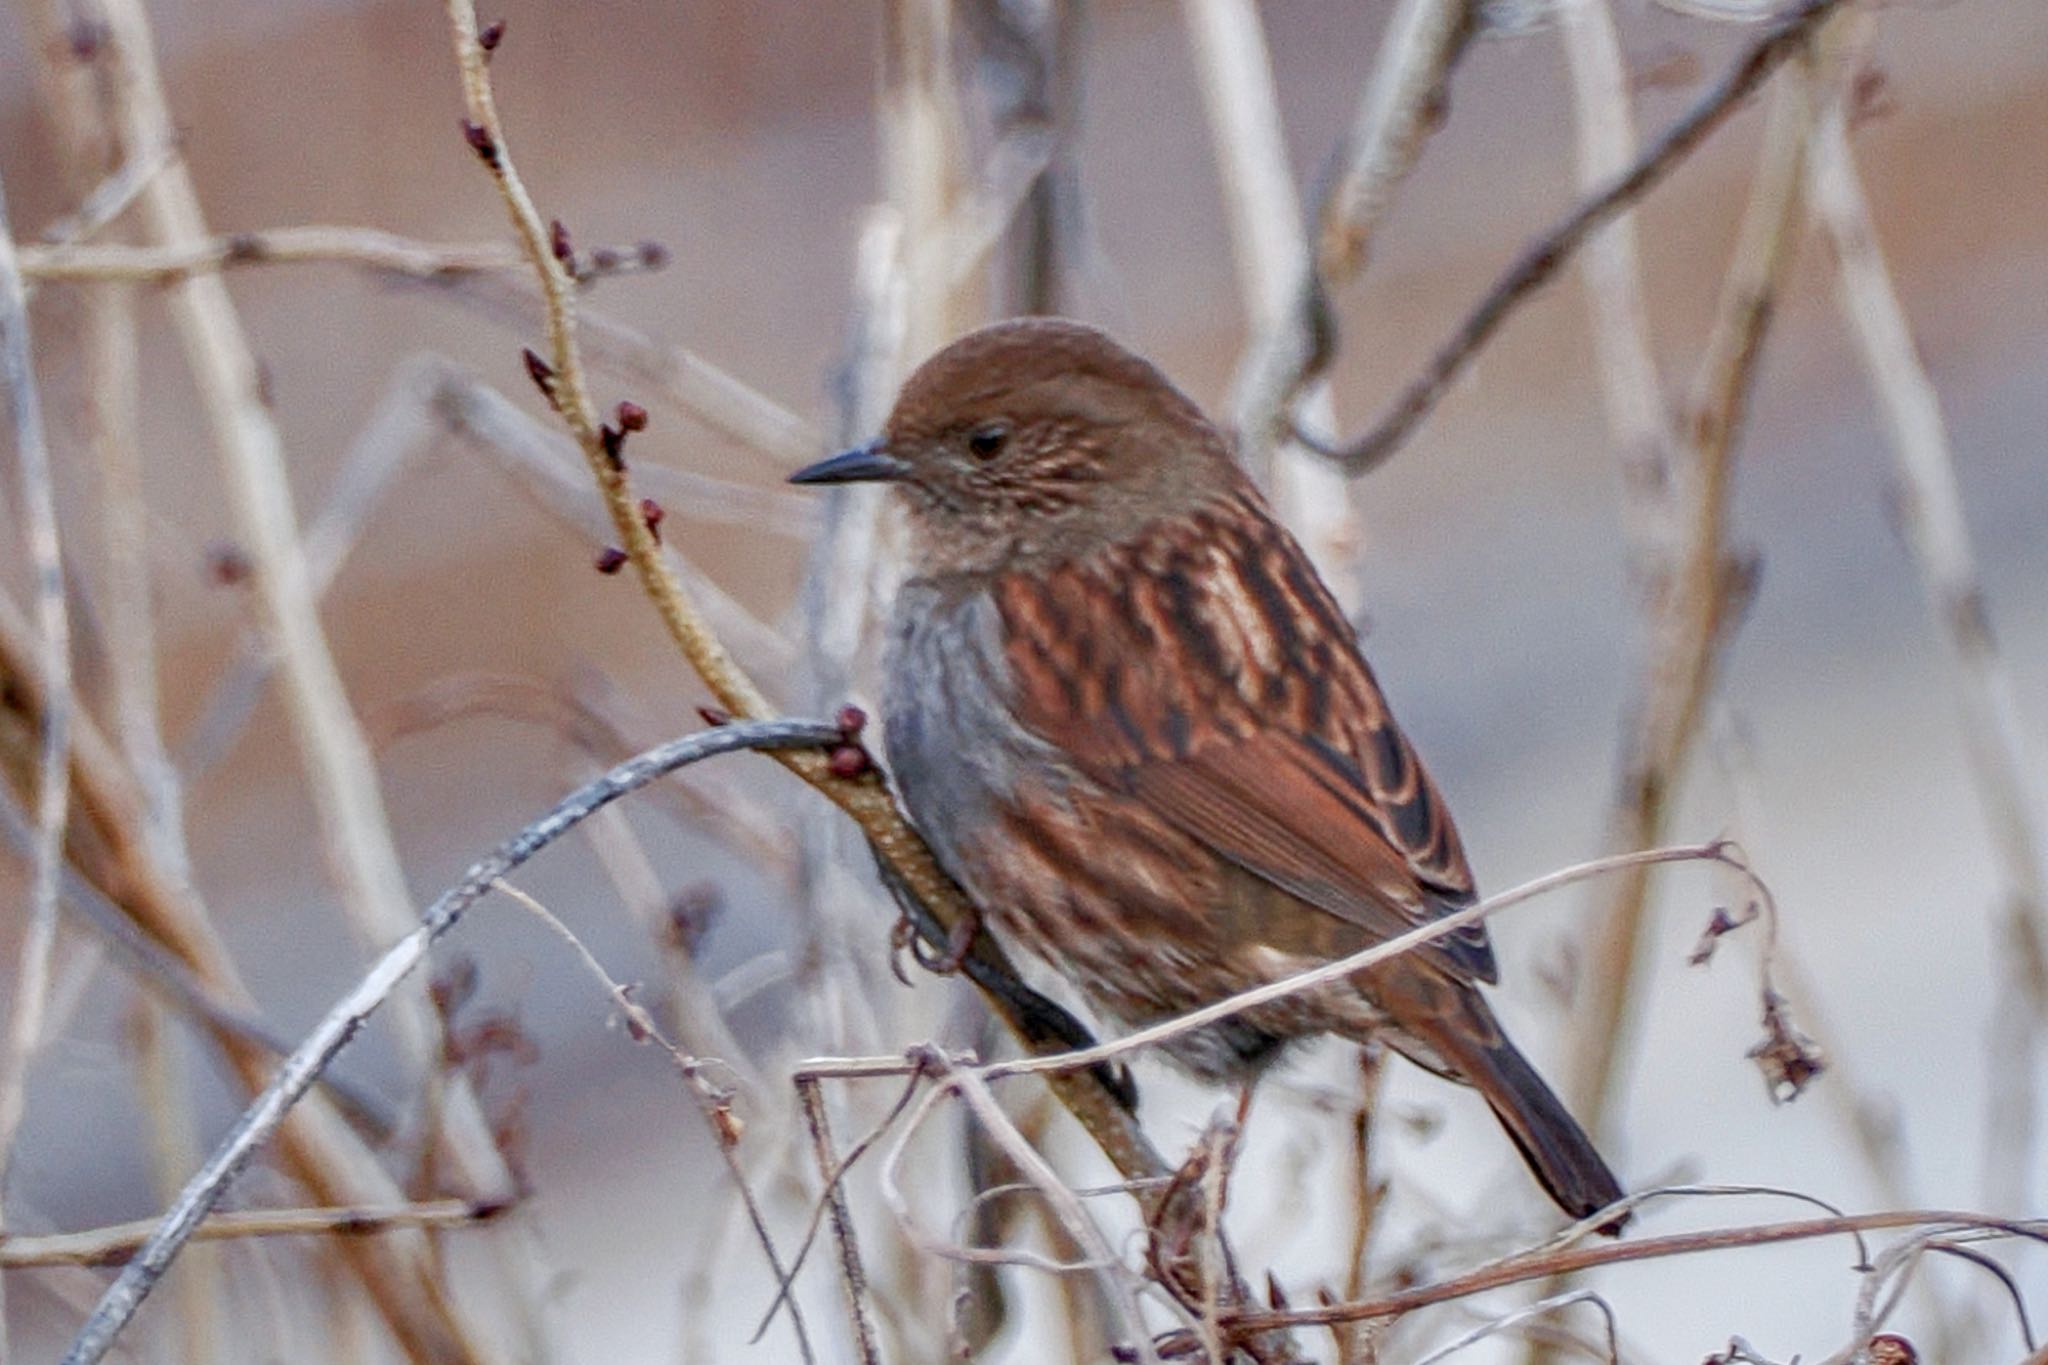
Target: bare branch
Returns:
[114, 1245]
[1938, 536]
[177, 260]
[25, 1017]
[1527, 1266]
[1543, 258]
[342, 1022]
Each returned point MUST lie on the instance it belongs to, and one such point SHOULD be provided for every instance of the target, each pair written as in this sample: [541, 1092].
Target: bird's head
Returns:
[1032, 440]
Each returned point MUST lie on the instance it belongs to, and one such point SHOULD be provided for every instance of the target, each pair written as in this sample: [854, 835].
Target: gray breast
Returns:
[954, 743]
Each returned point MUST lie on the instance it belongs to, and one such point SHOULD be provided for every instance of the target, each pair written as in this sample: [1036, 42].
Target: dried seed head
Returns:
[610, 559]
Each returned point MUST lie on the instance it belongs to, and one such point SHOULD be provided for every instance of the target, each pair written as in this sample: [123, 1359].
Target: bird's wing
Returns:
[1205, 671]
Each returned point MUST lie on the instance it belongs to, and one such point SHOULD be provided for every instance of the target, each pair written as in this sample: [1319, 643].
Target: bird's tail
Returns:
[1562, 1157]
[1465, 1042]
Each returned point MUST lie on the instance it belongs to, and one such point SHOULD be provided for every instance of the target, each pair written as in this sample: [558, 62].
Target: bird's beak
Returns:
[863, 464]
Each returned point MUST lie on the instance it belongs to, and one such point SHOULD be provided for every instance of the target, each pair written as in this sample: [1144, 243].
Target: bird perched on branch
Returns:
[1131, 721]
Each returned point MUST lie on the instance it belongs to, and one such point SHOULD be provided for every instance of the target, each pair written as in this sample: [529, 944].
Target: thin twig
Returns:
[866, 798]
[177, 260]
[91, 101]
[1937, 534]
[1097, 1258]
[1552, 1304]
[165, 1092]
[852, 1274]
[1526, 1266]
[114, 1245]
[1695, 590]
[108, 199]
[1542, 259]
[1403, 102]
[691, 383]
[1271, 249]
[347, 1016]
[53, 624]
[1341, 968]
[714, 1103]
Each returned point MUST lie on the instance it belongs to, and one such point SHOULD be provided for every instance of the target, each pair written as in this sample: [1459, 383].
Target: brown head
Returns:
[1034, 441]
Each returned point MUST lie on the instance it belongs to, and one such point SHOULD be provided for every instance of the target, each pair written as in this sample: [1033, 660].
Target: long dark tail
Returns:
[1559, 1153]
[1461, 1037]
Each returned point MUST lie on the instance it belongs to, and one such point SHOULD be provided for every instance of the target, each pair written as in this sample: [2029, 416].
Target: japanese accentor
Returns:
[1132, 722]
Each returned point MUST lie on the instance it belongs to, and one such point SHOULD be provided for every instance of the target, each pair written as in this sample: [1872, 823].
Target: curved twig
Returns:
[340, 1024]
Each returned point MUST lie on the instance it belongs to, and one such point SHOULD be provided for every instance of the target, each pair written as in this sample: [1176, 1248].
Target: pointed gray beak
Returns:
[863, 464]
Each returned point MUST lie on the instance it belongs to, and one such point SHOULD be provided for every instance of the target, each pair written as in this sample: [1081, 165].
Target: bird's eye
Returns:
[985, 441]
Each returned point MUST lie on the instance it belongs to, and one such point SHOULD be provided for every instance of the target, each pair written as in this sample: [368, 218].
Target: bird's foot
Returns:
[906, 936]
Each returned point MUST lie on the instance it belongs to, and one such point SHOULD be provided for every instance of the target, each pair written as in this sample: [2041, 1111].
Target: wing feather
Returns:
[1205, 671]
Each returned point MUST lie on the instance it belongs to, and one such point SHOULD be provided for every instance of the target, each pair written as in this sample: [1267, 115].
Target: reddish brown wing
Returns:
[1206, 671]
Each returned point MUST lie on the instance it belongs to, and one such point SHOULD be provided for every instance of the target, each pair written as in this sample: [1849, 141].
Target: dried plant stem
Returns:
[1610, 267]
[26, 1013]
[342, 779]
[1938, 537]
[108, 843]
[165, 1091]
[1271, 249]
[1152, 1035]
[1542, 259]
[342, 1022]
[1524, 1267]
[182, 258]
[866, 798]
[853, 1275]
[693, 384]
[1695, 588]
[114, 1245]
[714, 1103]
[1402, 104]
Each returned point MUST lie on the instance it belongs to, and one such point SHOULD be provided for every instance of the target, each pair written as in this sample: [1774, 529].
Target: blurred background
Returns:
[1490, 566]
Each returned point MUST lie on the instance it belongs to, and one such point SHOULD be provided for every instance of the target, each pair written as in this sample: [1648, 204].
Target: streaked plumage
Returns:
[1133, 723]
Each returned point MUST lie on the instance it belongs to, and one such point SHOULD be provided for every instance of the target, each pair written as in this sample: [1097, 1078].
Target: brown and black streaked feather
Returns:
[1225, 691]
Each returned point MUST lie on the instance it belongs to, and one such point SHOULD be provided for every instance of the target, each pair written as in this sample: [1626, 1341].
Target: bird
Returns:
[1132, 722]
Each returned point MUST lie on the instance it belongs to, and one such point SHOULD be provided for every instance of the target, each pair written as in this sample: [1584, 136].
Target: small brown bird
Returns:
[1133, 724]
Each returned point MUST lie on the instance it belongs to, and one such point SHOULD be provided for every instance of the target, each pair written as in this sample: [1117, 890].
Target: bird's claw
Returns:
[904, 936]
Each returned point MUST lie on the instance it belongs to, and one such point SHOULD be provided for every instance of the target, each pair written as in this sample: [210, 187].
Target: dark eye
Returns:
[985, 441]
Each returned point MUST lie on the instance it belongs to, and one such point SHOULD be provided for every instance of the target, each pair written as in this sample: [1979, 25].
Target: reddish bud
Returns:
[848, 761]
[558, 242]
[714, 716]
[611, 559]
[227, 565]
[653, 255]
[479, 139]
[604, 260]
[490, 35]
[632, 417]
[540, 372]
[614, 443]
[851, 720]
[652, 513]
[87, 37]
